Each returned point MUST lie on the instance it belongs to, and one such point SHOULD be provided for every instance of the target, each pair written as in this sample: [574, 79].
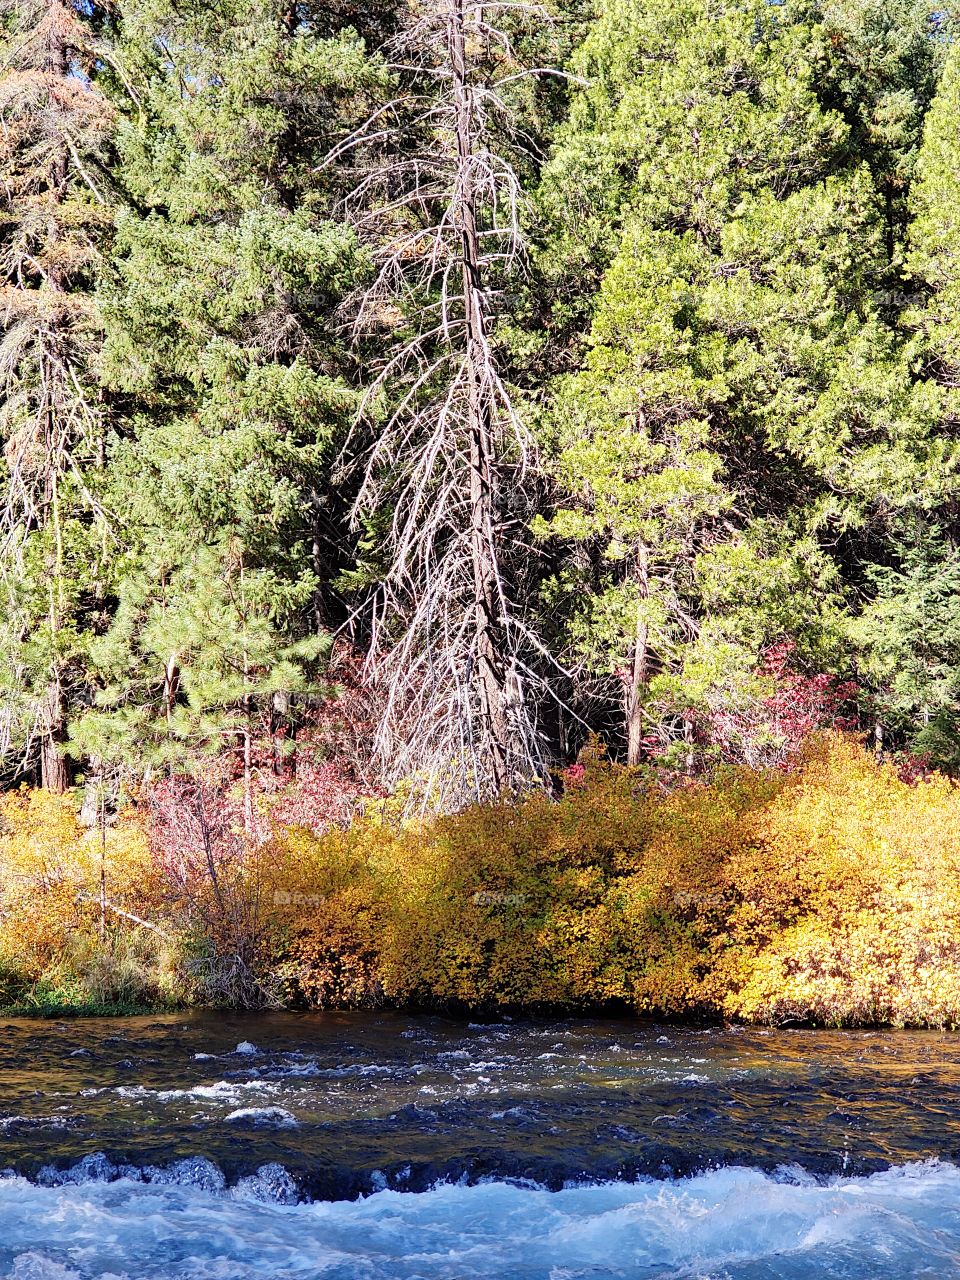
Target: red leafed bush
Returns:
[315, 776]
[574, 776]
[211, 886]
[770, 730]
[196, 828]
[914, 768]
[210, 825]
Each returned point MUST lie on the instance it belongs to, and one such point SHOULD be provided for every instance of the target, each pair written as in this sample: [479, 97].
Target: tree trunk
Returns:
[489, 669]
[288, 145]
[54, 769]
[279, 727]
[247, 718]
[247, 768]
[638, 673]
[171, 686]
[103, 856]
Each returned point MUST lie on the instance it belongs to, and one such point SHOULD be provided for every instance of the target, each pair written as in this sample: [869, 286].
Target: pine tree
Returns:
[879, 63]
[934, 257]
[742, 403]
[909, 644]
[222, 343]
[907, 633]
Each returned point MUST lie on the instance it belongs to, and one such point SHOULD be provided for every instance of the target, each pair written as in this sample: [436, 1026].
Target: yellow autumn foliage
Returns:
[830, 894]
[64, 940]
[851, 905]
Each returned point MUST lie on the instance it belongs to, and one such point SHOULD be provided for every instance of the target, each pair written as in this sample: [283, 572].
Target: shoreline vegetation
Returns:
[826, 892]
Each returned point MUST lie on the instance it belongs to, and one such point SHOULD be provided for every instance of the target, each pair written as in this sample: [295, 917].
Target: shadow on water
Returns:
[354, 1102]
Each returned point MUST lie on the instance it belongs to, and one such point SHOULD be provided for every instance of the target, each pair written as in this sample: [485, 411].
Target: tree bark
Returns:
[638, 673]
[54, 769]
[279, 725]
[247, 719]
[247, 767]
[103, 856]
[171, 686]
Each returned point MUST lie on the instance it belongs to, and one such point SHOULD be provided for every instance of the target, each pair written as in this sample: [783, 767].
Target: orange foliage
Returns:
[830, 894]
[63, 891]
[46, 877]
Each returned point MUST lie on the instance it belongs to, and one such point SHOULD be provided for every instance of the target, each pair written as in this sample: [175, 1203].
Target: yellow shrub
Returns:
[46, 877]
[849, 907]
[831, 894]
[63, 893]
[607, 896]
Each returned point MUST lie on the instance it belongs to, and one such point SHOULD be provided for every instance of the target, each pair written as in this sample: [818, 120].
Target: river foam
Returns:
[729, 1224]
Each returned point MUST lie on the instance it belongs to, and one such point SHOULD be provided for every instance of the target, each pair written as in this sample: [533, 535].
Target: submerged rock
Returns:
[262, 1118]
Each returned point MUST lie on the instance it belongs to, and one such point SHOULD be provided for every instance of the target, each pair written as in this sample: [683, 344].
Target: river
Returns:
[206, 1146]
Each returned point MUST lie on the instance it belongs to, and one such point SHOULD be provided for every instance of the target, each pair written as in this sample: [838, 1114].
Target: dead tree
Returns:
[438, 200]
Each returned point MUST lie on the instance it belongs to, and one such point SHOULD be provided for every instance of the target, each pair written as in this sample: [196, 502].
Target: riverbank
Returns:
[826, 894]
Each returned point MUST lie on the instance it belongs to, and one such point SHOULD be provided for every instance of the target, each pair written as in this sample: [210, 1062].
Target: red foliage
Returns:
[195, 827]
[914, 768]
[772, 729]
[319, 781]
[324, 793]
[312, 776]
[573, 776]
